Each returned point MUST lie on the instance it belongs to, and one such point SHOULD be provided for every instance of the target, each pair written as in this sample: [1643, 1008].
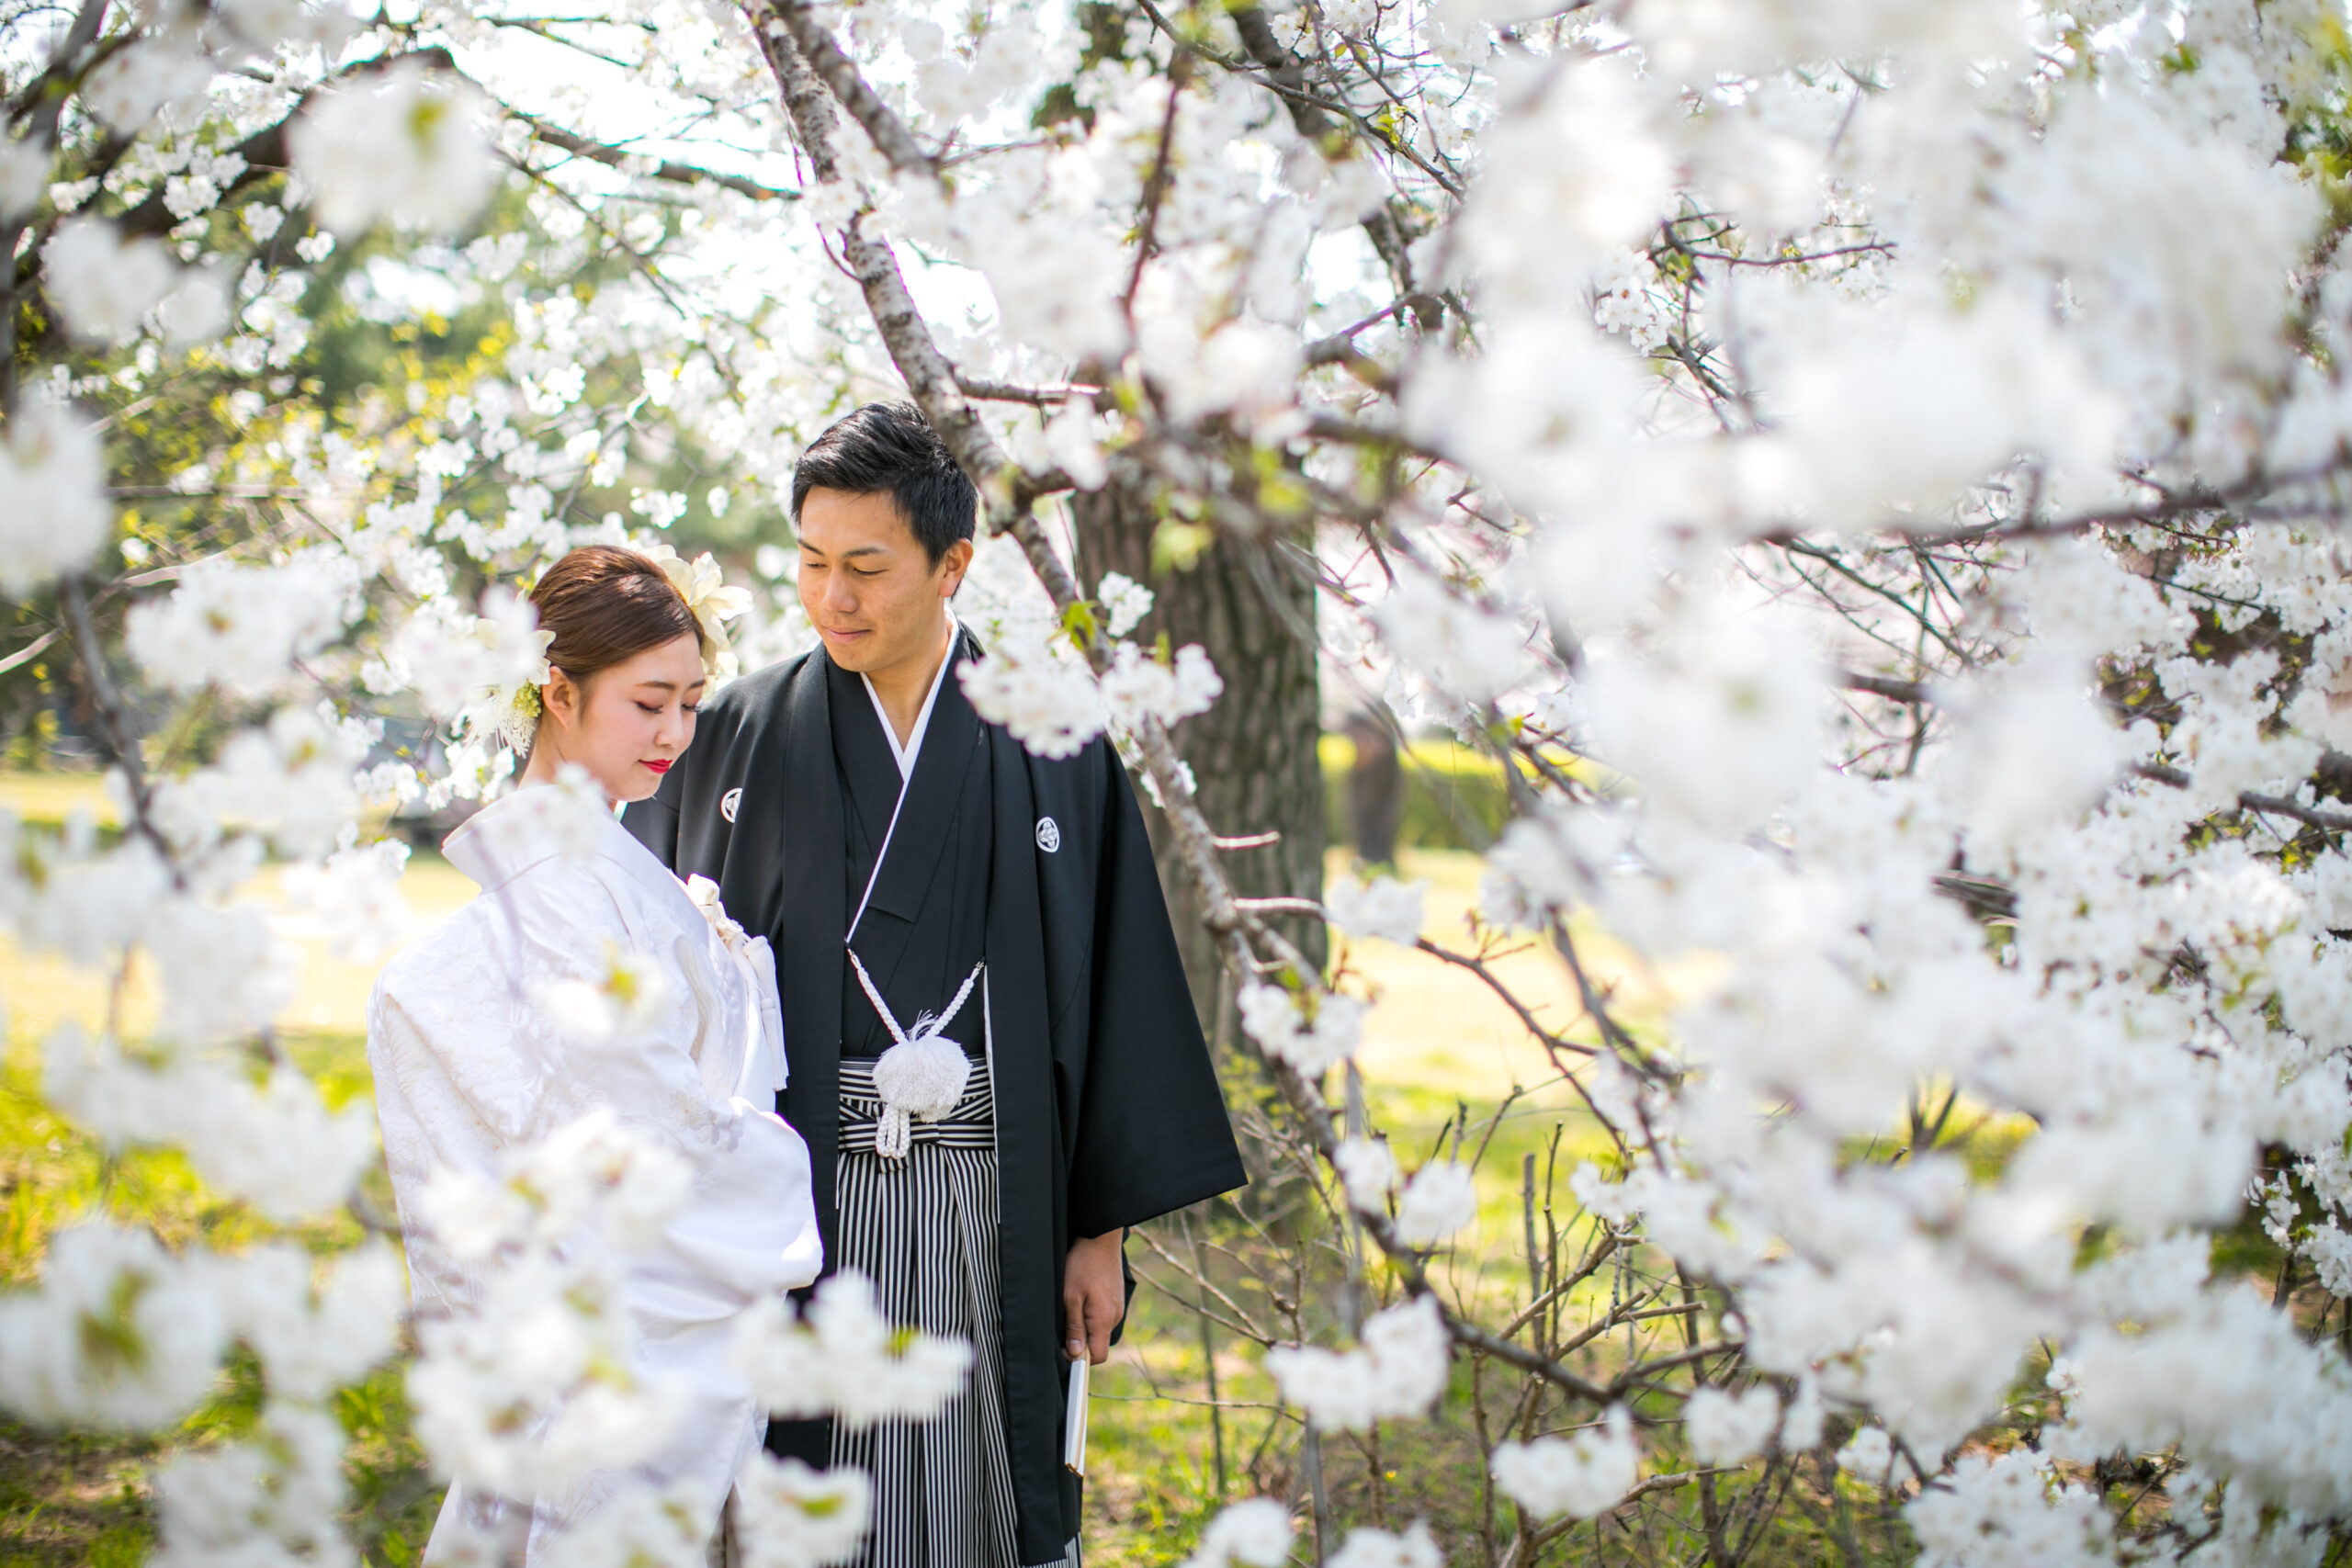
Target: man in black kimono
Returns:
[925, 880]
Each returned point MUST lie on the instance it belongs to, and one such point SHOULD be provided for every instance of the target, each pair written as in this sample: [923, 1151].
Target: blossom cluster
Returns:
[1398, 1371]
[530, 1387]
[842, 1356]
[1580, 1476]
[1039, 688]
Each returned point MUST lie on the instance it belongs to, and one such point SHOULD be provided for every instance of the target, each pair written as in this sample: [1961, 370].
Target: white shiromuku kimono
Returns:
[467, 1065]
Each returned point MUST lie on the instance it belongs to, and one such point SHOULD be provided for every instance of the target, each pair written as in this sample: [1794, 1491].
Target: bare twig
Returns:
[667, 169]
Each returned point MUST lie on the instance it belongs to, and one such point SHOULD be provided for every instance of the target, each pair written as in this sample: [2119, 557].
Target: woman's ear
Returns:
[561, 697]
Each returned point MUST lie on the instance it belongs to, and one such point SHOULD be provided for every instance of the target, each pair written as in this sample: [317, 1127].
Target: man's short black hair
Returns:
[890, 448]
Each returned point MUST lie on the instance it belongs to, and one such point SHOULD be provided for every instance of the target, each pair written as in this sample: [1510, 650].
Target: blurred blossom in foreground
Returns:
[1252, 1534]
[53, 513]
[409, 147]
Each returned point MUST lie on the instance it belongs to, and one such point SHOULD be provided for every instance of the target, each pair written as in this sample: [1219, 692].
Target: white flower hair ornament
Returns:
[713, 603]
[511, 712]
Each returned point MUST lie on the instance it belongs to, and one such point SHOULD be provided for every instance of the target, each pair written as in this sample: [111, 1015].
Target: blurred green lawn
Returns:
[1438, 1042]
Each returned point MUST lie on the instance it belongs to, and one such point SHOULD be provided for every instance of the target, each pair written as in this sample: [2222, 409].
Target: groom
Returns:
[911, 865]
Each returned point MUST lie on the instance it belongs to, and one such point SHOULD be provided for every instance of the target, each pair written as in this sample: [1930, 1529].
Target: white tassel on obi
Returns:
[921, 1076]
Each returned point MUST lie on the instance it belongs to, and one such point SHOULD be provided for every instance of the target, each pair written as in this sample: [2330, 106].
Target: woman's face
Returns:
[624, 725]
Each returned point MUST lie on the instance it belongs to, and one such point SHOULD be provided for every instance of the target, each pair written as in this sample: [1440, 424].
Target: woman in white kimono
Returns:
[469, 1065]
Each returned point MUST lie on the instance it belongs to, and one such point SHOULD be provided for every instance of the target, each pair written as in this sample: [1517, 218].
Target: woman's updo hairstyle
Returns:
[607, 606]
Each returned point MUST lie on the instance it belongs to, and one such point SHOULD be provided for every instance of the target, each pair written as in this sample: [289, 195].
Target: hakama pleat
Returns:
[924, 1230]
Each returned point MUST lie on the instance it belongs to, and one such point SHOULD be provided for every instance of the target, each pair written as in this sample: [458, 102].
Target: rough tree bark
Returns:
[1254, 752]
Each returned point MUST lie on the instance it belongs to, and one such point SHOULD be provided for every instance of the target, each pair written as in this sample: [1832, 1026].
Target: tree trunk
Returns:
[1253, 755]
[1376, 791]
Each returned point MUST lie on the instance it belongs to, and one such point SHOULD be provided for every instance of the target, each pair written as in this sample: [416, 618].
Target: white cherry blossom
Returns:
[1579, 1476]
[1399, 1371]
[407, 146]
[1255, 1533]
[101, 282]
[1439, 1201]
[54, 515]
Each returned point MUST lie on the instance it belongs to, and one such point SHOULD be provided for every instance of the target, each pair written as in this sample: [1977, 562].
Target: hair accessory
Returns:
[707, 595]
[511, 712]
[526, 708]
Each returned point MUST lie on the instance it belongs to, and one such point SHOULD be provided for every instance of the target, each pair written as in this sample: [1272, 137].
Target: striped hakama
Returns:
[924, 1230]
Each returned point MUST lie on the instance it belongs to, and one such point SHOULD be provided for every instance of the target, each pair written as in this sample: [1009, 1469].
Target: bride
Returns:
[469, 1065]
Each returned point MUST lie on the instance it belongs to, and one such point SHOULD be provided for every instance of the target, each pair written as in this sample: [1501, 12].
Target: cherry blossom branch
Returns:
[1156, 184]
[117, 732]
[1005, 487]
[43, 97]
[1239, 1322]
[1881, 247]
[1610, 1242]
[1632, 1376]
[1006, 392]
[30, 652]
[806, 102]
[1836, 563]
[1340, 345]
[1272, 78]
[2251, 800]
[890, 135]
[639, 263]
[1920, 692]
[1552, 1043]
[620, 158]
[1886, 686]
[2239, 499]
[1494, 981]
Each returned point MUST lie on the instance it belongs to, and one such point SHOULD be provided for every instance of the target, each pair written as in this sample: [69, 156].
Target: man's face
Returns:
[870, 590]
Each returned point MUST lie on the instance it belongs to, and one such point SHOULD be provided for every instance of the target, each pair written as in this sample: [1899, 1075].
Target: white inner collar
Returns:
[905, 755]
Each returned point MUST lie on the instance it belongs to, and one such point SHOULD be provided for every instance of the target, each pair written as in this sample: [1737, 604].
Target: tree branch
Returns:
[2248, 800]
[1006, 489]
[806, 102]
[1886, 686]
[667, 169]
[1006, 392]
[1494, 983]
[889, 133]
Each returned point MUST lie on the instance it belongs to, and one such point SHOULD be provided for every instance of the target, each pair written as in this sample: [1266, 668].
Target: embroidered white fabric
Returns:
[468, 1065]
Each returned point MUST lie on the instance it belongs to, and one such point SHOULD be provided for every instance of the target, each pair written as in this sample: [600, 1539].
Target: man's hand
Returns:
[1094, 1295]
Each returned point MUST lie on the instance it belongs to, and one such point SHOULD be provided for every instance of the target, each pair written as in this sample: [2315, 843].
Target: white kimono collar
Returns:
[905, 755]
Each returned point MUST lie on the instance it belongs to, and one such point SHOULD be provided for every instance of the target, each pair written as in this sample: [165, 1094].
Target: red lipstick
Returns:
[659, 767]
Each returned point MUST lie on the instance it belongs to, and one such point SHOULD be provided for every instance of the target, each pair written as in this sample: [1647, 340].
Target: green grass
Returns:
[84, 1497]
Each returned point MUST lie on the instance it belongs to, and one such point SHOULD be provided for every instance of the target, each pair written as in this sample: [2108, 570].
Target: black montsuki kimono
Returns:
[1108, 1110]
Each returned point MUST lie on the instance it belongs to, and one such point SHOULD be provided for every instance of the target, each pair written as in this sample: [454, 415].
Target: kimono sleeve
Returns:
[1152, 1134]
